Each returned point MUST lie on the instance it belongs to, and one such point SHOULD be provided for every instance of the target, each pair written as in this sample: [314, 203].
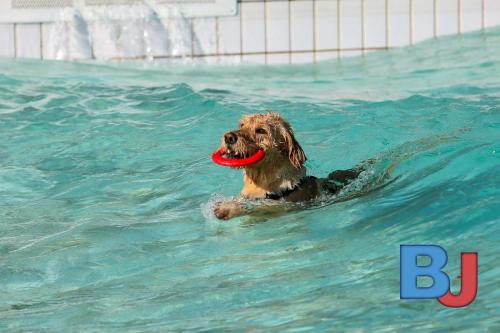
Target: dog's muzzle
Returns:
[230, 138]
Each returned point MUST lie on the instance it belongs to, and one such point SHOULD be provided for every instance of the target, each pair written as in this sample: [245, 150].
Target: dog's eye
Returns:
[260, 131]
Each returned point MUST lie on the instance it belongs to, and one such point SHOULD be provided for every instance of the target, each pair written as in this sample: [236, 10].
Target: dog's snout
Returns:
[230, 138]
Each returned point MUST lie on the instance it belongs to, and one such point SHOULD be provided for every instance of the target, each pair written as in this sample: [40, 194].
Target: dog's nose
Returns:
[230, 138]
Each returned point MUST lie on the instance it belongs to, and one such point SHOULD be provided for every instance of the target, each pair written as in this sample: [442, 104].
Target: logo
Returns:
[440, 288]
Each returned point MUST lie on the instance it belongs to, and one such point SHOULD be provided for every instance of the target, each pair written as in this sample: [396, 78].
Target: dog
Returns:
[281, 174]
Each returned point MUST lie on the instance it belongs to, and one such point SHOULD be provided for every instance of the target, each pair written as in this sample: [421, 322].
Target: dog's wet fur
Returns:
[281, 174]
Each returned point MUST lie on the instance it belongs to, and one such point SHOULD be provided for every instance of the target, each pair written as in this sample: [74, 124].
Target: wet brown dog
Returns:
[281, 174]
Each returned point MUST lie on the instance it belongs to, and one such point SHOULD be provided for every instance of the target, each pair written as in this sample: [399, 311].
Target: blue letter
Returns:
[410, 271]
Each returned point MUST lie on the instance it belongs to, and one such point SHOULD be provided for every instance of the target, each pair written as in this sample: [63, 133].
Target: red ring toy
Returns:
[236, 162]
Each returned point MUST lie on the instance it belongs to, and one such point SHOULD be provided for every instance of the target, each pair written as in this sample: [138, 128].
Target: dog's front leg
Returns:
[228, 209]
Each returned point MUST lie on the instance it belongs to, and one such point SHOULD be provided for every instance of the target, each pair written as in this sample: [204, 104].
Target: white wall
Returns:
[271, 31]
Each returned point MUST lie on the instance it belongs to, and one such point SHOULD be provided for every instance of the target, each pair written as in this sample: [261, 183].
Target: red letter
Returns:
[468, 289]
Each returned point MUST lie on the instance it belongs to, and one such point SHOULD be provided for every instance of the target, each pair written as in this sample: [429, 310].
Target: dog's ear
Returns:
[295, 152]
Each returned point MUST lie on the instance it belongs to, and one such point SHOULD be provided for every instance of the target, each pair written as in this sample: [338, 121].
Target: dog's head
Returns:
[268, 132]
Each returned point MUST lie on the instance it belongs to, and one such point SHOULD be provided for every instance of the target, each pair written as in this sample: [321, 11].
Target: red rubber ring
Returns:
[237, 162]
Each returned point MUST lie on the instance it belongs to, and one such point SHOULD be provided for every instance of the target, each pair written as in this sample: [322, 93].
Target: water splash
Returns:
[69, 37]
[377, 173]
[133, 31]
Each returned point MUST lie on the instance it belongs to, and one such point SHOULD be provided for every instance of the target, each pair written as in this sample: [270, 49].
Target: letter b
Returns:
[410, 271]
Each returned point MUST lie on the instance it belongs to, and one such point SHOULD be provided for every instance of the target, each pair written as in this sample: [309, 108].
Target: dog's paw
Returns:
[228, 210]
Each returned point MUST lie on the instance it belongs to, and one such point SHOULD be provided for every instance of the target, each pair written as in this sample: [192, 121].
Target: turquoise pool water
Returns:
[106, 186]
